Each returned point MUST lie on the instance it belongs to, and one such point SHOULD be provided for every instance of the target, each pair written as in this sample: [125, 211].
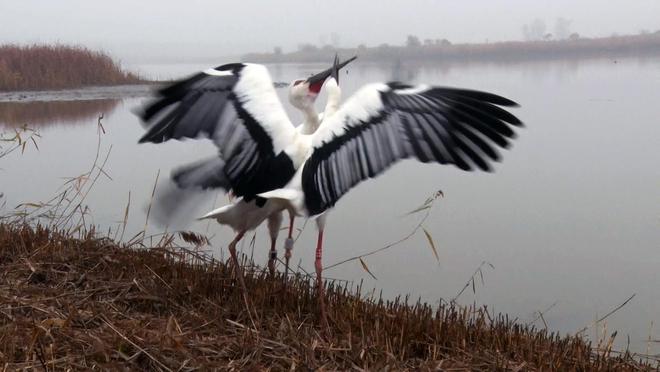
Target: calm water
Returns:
[571, 216]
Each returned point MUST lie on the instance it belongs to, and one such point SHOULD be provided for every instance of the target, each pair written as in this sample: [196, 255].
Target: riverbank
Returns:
[88, 302]
[443, 51]
[47, 67]
[78, 94]
[37, 108]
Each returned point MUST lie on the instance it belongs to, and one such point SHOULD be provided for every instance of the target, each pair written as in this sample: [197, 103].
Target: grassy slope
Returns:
[42, 67]
[89, 303]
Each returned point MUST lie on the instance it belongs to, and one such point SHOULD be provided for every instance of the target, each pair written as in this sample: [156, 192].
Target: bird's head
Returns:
[303, 93]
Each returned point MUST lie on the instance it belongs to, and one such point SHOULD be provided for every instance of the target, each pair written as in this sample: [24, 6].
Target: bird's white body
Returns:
[244, 216]
[291, 196]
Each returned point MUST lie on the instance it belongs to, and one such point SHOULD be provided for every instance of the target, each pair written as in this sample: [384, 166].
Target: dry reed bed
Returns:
[88, 303]
[40, 67]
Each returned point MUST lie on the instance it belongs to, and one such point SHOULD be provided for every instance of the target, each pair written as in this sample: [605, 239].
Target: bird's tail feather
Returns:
[176, 207]
[177, 202]
[218, 212]
[293, 196]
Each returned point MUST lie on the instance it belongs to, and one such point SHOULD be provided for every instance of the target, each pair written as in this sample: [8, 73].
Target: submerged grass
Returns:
[91, 303]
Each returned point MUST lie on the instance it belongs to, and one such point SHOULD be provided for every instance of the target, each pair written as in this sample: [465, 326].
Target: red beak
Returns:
[316, 81]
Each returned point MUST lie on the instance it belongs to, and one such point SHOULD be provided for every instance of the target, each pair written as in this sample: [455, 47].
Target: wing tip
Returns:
[141, 113]
[503, 101]
[150, 138]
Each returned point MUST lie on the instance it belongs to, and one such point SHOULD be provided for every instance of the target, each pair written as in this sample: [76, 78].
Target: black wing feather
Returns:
[443, 125]
[179, 111]
[214, 105]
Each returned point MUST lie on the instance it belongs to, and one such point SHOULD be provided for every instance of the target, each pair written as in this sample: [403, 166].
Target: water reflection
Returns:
[46, 113]
[559, 69]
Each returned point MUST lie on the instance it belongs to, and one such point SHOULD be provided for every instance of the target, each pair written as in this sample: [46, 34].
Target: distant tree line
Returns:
[538, 44]
[537, 30]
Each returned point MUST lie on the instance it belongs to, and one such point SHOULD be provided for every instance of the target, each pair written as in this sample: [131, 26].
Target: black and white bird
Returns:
[244, 215]
[307, 174]
[382, 124]
[222, 97]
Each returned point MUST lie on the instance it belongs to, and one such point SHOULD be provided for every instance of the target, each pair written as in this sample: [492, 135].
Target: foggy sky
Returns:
[199, 29]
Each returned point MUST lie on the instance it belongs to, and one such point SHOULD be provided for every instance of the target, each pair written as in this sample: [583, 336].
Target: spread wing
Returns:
[384, 123]
[236, 106]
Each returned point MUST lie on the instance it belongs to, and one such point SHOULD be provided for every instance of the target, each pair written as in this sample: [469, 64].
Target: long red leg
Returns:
[272, 257]
[239, 274]
[274, 224]
[288, 246]
[291, 220]
[234, 258]
[319, 279]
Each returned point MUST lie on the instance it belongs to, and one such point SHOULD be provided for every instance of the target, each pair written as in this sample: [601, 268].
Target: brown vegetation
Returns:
[38, 113]
[40, 67]
[89, 303]
[445, 51]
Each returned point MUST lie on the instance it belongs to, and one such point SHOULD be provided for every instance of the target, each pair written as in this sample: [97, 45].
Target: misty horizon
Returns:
[203, 30]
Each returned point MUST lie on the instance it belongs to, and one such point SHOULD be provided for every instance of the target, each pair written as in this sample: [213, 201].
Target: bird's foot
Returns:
[272, 257]
[320, 286]
[323, 320]
[237, 267]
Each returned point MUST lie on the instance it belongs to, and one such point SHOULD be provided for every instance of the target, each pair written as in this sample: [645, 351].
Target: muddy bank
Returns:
[79, 94]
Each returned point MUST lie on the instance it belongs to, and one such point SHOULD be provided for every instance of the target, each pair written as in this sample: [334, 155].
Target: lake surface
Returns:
[571, 217]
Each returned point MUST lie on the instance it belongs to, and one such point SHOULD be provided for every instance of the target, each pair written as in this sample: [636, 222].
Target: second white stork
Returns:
[245, 215]
[384, 123]
[220, 98]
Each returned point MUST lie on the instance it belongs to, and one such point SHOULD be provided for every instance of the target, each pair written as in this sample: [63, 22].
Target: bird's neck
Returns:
[311, 122]
[334, 99]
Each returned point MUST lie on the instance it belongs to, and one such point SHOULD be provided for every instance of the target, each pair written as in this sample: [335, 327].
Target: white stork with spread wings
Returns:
[264, 156]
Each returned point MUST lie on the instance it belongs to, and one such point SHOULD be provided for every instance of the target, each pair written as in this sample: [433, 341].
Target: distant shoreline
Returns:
[504, 52]
[78, 94]
[60, 67]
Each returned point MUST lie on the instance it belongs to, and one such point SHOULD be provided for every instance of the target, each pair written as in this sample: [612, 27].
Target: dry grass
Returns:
[40, 67]
[89, 303]
[17, 138]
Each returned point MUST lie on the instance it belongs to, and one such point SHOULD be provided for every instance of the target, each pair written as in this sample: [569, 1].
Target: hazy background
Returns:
[151, 30]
